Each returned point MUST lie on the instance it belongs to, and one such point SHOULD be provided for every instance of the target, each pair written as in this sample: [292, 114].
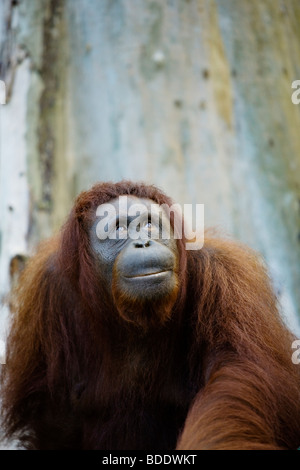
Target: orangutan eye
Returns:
[121, 231]
[121, 228]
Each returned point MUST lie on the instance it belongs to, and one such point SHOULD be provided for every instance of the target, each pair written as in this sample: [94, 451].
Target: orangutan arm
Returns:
[250, 381]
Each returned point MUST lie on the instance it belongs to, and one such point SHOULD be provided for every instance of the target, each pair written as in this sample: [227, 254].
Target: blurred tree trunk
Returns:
[191, 95]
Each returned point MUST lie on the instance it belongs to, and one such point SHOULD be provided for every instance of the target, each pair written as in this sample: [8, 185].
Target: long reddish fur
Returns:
[225, 335]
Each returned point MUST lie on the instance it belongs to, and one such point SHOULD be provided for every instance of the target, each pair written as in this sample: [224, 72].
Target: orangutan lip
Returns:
[156, 274]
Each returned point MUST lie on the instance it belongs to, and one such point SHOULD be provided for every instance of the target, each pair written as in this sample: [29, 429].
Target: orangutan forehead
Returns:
[125, 201]
[124, 205]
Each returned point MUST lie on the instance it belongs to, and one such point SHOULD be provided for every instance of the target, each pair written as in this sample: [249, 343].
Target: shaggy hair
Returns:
[216, 375]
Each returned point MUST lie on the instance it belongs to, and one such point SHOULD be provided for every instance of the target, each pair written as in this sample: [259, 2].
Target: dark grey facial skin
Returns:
[147, 261]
